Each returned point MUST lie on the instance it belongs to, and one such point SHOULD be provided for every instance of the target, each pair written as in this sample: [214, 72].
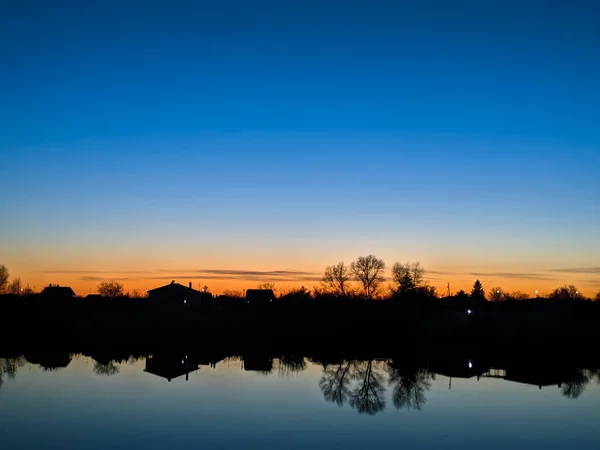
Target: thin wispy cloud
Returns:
[515, 275]
[83, 272]
[92, 278]
[591, 270]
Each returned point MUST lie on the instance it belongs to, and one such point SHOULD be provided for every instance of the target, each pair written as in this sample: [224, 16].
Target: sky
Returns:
[237, 142]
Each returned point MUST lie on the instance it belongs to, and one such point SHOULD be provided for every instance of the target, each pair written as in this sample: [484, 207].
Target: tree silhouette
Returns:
[565, 293]
[106, 369]
[336, 279]
[335, 383]
[291, 364]
[496, 294]
[518, 295]
[3, 277]
[477, 292]
[367, 397]
[408, 276]
[266, 286]
[410, 386]
[14, 287]
[369, 271]
[111, 289]
[575, 386]
[597, 296]
[462, 294]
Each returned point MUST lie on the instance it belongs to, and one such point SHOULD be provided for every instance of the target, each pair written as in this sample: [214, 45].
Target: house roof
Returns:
[173, 286]
[92, 296]
[62, 291]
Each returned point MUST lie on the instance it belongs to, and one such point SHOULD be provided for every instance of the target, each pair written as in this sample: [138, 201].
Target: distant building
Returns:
[57, 293]
[170, 366]
[177, 295]
[94, 297]
[259, 296]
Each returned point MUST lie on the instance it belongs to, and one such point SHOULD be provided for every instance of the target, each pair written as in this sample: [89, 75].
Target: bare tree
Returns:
[335, 383]
[369, 271]
[410, 385]
[14, 287]
[111, 289]
[496, 294]
[266, 286]
[337, 278]
[137, 294]
[518, 295]
[3, 277]
[368, 395]
[412, 271]
[597, 297]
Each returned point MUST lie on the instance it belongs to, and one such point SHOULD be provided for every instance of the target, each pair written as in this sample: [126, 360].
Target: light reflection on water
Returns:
[161, 401]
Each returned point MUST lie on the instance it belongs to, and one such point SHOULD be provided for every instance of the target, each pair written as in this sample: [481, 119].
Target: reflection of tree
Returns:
[106, 369]
[10, 366]
[291, 365]
[576, 384]
[410, 386]
[335, 383]
[367, 395]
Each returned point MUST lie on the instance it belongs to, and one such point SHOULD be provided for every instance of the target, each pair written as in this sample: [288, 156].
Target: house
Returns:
[94, 297]
[177, 295]
[49, 360]
[259, 296]
[170, 366]
[57, 293]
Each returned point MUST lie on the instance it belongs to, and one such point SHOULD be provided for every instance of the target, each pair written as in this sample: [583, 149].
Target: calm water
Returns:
[293, 403]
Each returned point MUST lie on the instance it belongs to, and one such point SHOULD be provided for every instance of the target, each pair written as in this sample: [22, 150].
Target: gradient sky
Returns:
[219, 142]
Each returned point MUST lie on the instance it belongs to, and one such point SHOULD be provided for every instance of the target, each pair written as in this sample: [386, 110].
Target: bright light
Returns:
[185, 302]
[182, 361]
[469, 311]
[470, 365]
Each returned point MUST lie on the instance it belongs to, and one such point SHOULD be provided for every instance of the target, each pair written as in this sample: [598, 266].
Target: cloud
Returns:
[90, 278]
[83, 272]
[237, 272]
[261, 277]
[592, 270]
[524, 276]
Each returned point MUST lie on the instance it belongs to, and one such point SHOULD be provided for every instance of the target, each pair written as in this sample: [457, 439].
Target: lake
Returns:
[171, 400]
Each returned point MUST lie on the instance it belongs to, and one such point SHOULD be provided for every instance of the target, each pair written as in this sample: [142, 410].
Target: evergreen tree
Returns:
[478, 293]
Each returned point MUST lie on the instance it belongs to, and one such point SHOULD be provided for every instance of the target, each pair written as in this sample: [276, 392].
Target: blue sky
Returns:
[319, 129]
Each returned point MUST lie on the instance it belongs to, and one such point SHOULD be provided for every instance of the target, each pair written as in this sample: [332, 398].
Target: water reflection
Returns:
[409, 385]
[360, 384]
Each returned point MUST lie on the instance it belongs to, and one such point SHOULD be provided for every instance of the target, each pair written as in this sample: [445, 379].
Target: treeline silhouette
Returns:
[358, 378]
[351, 302]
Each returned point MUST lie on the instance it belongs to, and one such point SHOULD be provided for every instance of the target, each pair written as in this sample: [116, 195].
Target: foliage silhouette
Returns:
[111, 289]
[106, 369]
[477, 293]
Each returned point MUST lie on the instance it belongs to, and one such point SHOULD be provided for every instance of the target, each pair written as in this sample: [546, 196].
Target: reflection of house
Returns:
[49, 360]
[170, 366]
[176, 295]
[258, 364]
[536, 376]
[57, 293]
[259, 296]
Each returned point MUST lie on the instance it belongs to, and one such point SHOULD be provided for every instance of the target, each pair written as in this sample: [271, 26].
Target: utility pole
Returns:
[449, 290]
